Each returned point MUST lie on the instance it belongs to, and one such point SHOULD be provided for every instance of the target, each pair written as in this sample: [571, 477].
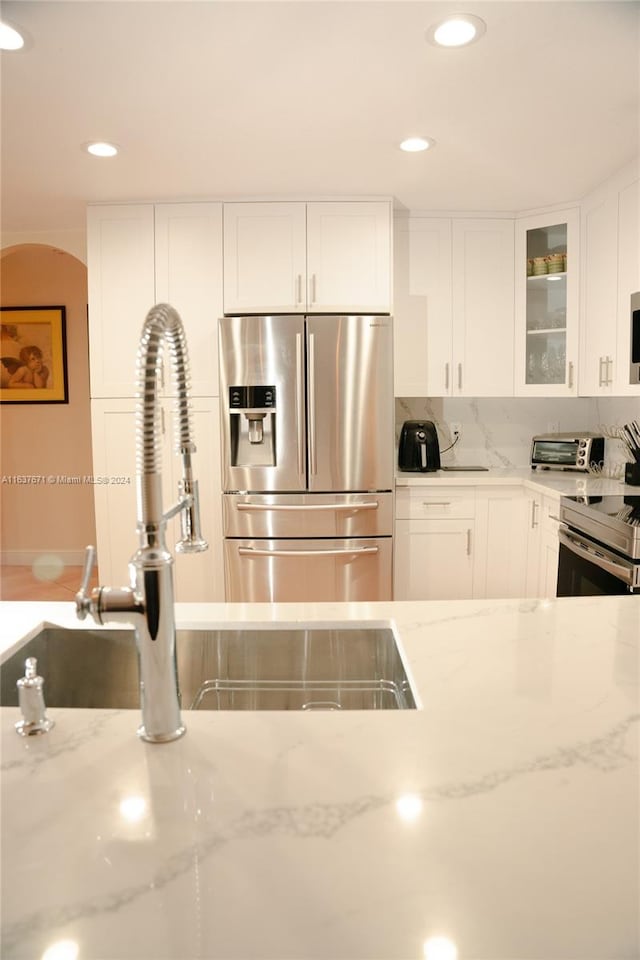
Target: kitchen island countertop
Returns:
[502, 816]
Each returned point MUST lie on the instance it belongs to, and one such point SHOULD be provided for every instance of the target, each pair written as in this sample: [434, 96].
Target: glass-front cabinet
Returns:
[546, 305]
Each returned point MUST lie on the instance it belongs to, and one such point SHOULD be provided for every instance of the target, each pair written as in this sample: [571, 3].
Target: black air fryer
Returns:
[419, 450]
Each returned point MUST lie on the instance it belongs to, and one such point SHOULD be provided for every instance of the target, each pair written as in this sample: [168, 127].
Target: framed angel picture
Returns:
[33, 355]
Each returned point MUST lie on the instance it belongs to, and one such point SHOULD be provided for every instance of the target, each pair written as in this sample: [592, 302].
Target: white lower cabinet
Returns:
[542, 544]
[531, 536]
[114, 460]
[549, 547]
[434, 544]
[434, 560]
[475, 542]
[501, 556]
[198, 577]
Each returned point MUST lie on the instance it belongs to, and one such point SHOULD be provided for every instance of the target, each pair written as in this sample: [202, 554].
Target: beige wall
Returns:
[47, 439]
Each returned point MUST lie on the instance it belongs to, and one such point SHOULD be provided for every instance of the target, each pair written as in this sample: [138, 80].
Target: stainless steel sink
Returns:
[345, 668]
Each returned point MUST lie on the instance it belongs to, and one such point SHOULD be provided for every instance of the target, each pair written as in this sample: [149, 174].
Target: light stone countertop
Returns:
[561, 483]
[503, 815]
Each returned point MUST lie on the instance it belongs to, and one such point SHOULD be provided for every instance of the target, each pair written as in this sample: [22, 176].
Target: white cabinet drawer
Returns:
[437, 503]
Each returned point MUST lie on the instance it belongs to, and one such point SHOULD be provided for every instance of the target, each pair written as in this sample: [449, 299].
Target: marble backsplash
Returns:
[498, 432]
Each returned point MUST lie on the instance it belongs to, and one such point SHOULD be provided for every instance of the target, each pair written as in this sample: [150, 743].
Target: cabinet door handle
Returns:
[606, 377]
[570, 374]
[299, 288]
[436, 503]
[459, 376]
[446, 376]
[312, 286]
[468, 541]
[534, 519]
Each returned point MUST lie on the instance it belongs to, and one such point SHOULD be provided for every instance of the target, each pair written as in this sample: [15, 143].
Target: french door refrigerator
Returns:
[307, 417]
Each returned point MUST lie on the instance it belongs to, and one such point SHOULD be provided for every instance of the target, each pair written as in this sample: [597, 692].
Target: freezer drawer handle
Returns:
[312, 508]
[357, 551]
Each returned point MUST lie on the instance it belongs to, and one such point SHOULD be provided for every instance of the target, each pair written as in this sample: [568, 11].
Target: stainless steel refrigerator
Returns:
[307, 457]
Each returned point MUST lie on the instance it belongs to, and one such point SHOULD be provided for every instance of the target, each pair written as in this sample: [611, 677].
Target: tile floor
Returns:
[20, 583]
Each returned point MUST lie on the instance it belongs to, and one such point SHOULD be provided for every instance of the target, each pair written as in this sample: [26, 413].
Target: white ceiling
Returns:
[307, 98]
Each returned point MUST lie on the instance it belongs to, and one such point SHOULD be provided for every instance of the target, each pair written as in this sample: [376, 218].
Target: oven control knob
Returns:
[581, 461]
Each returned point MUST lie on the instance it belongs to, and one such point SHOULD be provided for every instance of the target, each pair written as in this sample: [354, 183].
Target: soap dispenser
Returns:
[31, 700]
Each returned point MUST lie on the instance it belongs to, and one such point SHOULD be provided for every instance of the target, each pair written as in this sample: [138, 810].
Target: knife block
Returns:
[632, 474]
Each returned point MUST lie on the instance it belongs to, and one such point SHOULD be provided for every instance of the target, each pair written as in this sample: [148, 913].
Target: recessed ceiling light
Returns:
[456, 31]
[416, 144]
[10, 39]
[101, 149]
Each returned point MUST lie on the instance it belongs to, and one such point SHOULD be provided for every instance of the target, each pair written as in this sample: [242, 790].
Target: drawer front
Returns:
[307, 514]
[284, 571]
[441, 503]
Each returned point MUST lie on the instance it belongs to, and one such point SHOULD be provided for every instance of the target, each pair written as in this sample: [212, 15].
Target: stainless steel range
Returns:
[599, 546]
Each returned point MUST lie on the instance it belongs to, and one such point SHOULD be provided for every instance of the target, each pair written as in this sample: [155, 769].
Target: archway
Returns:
[46, 512]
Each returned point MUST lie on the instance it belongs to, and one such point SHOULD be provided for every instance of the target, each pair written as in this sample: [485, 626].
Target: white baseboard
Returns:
[26, 558]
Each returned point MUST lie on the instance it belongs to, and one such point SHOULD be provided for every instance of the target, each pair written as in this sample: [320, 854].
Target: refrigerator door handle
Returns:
[356, 551]
[309, 508]
[300, 403]
[313, 464]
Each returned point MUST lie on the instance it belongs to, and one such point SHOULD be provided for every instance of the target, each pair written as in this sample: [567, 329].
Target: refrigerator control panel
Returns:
[252, 398]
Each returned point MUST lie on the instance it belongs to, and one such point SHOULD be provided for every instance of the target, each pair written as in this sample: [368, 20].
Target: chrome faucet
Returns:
[149, 602]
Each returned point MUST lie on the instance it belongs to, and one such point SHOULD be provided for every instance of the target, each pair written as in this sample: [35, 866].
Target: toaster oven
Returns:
[566, 451]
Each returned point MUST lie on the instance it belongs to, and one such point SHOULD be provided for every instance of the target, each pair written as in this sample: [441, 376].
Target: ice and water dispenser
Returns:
[252, 426]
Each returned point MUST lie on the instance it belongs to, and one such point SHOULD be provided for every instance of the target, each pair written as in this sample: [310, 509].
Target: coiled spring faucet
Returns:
[149, 602]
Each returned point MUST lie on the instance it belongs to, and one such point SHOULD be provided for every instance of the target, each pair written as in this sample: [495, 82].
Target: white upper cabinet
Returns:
[349, 257]
[317, 257]
[546, 279]
[628, 280]
[482, 360]
[188, 245]
[610, 274]
[265, 259]
[453, 314]
[121, 287]
[599, 300]
[422, 320]
[140, 255]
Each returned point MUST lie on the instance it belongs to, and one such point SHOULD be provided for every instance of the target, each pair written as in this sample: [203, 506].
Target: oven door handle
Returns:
[587, 552]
